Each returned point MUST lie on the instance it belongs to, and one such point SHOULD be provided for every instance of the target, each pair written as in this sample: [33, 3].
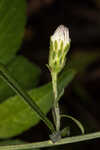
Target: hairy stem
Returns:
[55, 109]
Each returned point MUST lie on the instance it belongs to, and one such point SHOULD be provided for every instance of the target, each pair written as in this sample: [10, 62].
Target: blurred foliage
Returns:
[97, 3]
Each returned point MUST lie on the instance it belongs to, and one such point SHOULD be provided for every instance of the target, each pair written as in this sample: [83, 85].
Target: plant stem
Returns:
[54, 84]
[55, 109]
[5, 75]
[49, 143]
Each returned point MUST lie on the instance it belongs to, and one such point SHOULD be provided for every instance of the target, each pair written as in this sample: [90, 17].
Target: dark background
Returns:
[81, 98]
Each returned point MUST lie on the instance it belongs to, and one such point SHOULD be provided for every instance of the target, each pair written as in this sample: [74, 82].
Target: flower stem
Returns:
[55, 109]
[5, 75]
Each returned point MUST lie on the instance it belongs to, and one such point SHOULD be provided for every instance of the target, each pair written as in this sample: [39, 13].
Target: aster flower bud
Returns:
[59, 46]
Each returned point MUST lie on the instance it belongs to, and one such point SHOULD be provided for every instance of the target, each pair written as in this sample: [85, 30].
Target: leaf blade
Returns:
[12, 23]
[25, 73]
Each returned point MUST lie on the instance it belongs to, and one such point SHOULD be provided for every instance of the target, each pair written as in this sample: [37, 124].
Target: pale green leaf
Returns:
[12, 23]
[16, 116]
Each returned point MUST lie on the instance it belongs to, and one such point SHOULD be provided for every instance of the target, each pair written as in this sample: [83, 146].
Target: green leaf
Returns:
[81, 60]
[26, 74]
[65, 131]
[12, 23]
[16, 116]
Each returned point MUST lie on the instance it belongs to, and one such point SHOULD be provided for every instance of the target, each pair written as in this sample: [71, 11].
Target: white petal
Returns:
[61, 34]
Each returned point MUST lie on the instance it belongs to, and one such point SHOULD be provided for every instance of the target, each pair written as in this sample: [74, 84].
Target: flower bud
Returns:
[59, 46]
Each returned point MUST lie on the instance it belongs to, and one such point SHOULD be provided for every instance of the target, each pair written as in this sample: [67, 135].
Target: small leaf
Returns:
[26, 74]
[12, 23]
[78, 123]
[16, 116]
[65, 132]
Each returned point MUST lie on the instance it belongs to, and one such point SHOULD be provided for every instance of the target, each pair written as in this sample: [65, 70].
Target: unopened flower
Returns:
[59, 46]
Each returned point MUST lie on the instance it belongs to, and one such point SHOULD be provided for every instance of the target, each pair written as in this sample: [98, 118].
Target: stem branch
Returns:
[49, 143]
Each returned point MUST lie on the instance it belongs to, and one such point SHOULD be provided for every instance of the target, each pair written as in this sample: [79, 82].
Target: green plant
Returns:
[41, 99]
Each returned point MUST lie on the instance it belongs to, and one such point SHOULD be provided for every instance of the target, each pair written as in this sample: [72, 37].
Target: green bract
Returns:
[59, 46]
